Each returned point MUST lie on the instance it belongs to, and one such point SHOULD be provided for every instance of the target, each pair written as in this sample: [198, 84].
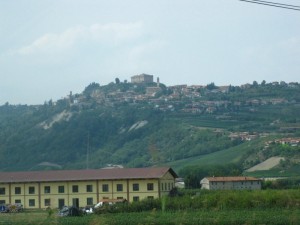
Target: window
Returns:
[47, 202]
[150, 197]
[31, 190]
[119, 197]
[61, 189]
[162, 186]
[136, 198]
[18, 201]
[119, 187]
[105, 188]
[135, 187]
[47, 189]
[74, 188]
[169, 186]
[89, 188]
[61, 203]
[31, 202]
[2, 202]
[75, 202]
[2, 191]
[150, 187]
[89, 201]
[17, 190]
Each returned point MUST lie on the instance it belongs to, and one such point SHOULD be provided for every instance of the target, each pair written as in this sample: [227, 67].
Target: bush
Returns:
[213, 200]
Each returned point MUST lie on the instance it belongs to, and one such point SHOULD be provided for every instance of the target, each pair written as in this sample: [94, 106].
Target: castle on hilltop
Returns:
[142, 78]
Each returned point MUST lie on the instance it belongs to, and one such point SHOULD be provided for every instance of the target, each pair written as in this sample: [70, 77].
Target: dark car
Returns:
[70, 211]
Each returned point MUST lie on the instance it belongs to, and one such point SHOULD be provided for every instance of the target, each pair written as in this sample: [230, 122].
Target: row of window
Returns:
[242, 183]
[167, 186]
[61, 202]
[47, 202]
[47, 189]
[75, 188]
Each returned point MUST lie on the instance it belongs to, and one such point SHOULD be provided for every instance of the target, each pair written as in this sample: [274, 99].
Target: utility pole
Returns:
[88, 151]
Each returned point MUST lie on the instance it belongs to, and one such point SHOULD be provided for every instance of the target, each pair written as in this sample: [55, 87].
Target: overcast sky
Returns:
[51, 47]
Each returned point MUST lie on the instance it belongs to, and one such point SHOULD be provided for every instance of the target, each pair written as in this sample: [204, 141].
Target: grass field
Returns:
[225, 217]
[292, 171]
[206, 207]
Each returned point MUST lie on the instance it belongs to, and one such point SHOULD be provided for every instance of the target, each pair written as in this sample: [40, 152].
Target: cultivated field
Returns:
[194, 207]
[225, 217]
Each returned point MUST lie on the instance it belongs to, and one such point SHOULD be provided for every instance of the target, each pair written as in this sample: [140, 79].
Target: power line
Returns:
[273, 4]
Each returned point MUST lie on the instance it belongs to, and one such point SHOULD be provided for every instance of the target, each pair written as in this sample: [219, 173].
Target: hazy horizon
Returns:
[49, 48]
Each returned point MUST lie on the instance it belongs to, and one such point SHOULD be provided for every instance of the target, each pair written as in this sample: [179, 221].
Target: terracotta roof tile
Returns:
[78, 175]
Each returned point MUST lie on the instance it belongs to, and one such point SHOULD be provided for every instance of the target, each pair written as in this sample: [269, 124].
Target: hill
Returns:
[142, 125]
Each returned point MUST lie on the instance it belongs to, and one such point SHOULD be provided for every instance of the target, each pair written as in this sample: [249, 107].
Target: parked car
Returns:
[7, 208]
[108, 202]
[88, 210]
[70, 211]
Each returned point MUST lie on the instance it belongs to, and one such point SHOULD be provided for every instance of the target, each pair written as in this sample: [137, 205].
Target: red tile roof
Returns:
[223, 179]
[81, 175]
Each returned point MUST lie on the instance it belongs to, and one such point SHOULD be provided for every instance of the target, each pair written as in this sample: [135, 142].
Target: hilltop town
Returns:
[195, 99]
[146, 123]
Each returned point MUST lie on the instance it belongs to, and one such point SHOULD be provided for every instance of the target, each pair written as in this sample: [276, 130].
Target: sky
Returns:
[51, 47]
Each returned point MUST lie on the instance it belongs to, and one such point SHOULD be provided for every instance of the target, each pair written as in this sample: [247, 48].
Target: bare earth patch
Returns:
[267, 164]
[64, 115]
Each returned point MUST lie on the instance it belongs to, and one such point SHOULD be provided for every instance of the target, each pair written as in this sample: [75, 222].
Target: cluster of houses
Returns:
[79, 188]
[294, 142]
[244, 136]
[180, 97]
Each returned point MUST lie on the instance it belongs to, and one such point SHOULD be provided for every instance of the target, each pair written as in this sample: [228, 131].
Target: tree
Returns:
[192, 181]
[211, 86]
[231, 88]
[254, 84]
[91, 87]
[117, 80]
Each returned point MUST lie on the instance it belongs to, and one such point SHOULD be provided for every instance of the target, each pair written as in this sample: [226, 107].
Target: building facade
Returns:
[142, 78]
[230, 183]
[55, 189]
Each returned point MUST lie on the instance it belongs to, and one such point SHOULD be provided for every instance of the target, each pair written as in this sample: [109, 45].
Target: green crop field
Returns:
[230, 217]
[230, 155]
[277, 207]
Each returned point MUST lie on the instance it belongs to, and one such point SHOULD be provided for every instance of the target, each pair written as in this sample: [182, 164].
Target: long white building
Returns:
[230, 183]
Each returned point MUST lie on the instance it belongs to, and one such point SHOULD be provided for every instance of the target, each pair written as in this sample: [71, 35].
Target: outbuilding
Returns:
[231, 183]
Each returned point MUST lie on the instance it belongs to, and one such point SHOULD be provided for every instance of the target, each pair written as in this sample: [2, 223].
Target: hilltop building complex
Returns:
[142, 78]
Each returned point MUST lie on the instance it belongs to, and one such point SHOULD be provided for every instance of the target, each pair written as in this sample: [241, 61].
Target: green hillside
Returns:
[126, 124]
[223, 157]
